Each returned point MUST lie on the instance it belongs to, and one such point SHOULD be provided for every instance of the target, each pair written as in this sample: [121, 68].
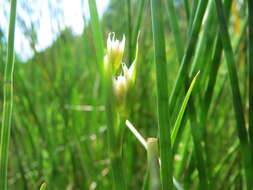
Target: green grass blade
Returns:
[162, 94]
[138, 23]
[237, 101]
[136, 134]
[188, 54]
[8, 99]
[192, 14]
[212, 72]
[182, 110]
[187, 9]
[232, 71]
[216, 60]
[97, 33]
[198, 149]
[145, 185]
[175, 28]
[205, 42]
[129, 27]
[215, 65]
[182, 75]
[250, 65]
[225, 159]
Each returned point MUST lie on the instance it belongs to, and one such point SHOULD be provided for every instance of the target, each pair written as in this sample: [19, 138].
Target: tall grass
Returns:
[68, 129]
[8, 99]
[237, 101]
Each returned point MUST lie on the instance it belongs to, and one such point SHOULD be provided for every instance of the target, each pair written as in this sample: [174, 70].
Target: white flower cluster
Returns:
[123, 81]
[113, 60]
[115, 51]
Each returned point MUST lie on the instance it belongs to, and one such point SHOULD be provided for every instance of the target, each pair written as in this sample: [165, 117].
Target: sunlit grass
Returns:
[83, 118]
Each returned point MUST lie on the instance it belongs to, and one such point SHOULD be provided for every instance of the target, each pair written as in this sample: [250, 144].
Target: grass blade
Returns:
[193, 13]
[188, 54]
[8, 99]
[162, 94]
[250, 65]
[182, 110]
[175, 28]
[97, 33]
[187, 9]
[129, 26]
[136, 134]
[140, 12]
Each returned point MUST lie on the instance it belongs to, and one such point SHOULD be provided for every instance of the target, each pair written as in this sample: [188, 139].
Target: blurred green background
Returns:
[59, 127]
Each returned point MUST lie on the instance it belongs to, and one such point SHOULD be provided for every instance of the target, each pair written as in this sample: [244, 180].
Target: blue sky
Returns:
[48, 25]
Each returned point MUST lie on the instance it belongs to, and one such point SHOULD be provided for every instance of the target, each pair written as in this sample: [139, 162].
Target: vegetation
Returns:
[154, 95]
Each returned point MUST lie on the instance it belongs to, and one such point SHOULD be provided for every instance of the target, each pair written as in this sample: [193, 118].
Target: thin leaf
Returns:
[162, 94]
[97, 33]
[182, 110]
[8, 99]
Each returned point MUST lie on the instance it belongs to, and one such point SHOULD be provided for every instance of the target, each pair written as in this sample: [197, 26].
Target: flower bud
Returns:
[123, 85]
[120, 87]
[115, 51]
[129, 73]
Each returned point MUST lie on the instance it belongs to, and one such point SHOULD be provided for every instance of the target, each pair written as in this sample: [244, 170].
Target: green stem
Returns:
[153, 164]
[8, 99]
[113, 134]
[162, 95]
[250, 65]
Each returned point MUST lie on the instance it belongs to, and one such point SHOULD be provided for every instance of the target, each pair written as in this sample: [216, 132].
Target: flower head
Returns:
[115, 51]
[124, 83]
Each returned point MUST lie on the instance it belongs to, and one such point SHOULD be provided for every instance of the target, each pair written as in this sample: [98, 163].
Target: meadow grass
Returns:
[181, 120]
